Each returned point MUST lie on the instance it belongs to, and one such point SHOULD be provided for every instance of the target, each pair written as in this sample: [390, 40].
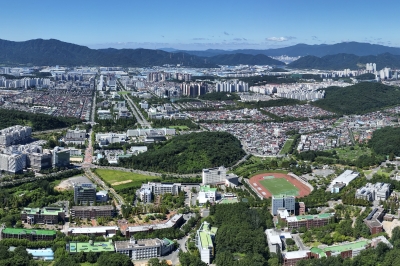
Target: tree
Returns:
[91, 257]
[114, 259]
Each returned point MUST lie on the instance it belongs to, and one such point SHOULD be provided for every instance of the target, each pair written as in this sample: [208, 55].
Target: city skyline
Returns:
[201, 25]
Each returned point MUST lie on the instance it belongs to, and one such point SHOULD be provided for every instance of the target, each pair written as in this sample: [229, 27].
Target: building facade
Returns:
[29, 234]
[283, 202]
[92, 212]
[84, 193]
[205, 237]
[145, 248]
[46, 215]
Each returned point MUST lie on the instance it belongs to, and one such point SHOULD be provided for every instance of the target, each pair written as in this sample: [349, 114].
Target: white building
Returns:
[145, 248]
[162, 188]
[346, 177]
[218, 176]
[207, 194]
[283, 202]
[145, 195]
[15, 135]
[204, 242]
[370, 192]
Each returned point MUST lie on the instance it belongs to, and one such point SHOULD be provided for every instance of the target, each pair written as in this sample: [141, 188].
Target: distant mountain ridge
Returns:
[356, 48]
[55, 52]
[344, 61]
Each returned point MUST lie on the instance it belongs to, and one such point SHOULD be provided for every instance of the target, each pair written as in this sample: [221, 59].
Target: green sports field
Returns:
[278, 186]
[121, 179]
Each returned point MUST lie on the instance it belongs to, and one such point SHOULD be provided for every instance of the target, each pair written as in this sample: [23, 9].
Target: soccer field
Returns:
[278, 186]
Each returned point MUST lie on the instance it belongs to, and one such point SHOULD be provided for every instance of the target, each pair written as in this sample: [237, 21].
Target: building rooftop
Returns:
[207, 189]
[44, 211]
[310, 217]
[340, 248]
[75, 247]
[100, 207]
[205, 239]
[92, 230]
[296, 254]
[170, 223]
[17, 231]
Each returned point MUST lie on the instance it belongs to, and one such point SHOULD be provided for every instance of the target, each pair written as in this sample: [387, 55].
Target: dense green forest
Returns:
[359, 99]
[38, 122]
[240, 239]
[366, 76]
[160, 123]
[188, 153]
[219, 96]
[386, 141]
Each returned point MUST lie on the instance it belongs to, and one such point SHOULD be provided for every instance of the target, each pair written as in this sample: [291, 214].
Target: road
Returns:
[135, 110]
[299, 242]
[101, 183]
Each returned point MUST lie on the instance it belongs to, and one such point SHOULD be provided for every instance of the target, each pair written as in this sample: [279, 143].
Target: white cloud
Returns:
[280, 39]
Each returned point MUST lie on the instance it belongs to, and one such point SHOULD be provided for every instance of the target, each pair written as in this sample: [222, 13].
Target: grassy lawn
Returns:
[338, 122]
[119, 178]
[123, 92]
[279, 186]
[287, 146]
[347, 153]
[381, 172]
[367, 172]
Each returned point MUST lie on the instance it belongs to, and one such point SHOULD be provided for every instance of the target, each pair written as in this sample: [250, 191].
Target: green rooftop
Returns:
[75, 247]
[312, 217]
[228, 201]
[340, 248]
[43, 211]
[16, 231]
[169, 241]
[205, 239]
[207, 189]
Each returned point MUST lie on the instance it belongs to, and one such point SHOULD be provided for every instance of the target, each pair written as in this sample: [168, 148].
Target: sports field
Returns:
[268, 184]
[278, 186]
[121, 179]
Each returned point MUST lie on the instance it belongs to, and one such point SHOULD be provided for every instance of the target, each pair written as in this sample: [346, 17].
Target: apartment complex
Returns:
[283, 202]
[145, 248]
[194, 89]
[205, 237]
[15, 135]
[30, 234]
[232, 86]
[46, 215]
[92, 212]
[371, 192]
[309, 221]
[84, 193]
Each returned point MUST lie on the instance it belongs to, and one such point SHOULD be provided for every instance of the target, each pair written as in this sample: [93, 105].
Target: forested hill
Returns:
[55, 52]
[38, 122]
[359, 99]
[343, 61]
[189, 153]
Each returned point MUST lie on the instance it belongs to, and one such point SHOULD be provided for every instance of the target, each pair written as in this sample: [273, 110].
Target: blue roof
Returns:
[46, 254]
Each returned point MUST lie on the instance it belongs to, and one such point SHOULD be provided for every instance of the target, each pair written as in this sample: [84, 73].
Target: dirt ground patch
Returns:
[255, 183]
[68, 184]
[389, 226]
[121, 182]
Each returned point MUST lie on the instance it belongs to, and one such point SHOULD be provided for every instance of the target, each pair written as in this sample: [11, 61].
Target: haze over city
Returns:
[201, 25]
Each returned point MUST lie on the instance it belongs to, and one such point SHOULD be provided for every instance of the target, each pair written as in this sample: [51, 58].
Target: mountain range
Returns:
[55, 52]
[344, 61]
[319, 50]
[351, 55]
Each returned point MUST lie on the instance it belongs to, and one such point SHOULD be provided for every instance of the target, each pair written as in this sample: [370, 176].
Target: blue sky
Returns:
[217, 24]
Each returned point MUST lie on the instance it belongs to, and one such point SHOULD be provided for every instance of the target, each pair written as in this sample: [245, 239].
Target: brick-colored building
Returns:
[309, 221]
[92, 212]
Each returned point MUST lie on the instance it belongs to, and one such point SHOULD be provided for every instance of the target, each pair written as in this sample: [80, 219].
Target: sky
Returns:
[201, 25]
